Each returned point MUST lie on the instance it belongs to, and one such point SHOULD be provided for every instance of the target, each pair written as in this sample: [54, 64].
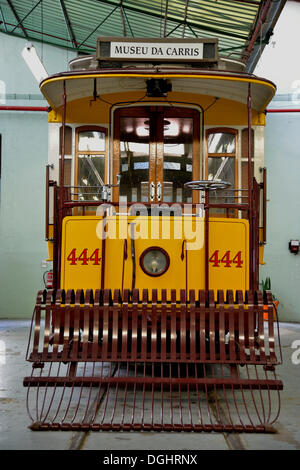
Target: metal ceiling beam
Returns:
[185, 16]
[17, 18]
[250, 2]
[3, 19]
[267, 30]
[122, 18]
[98, 26]
[128, 22]
[166, 19]
[44, 41]
[68, 23]
[172, 30]
[23, 19]
[262, 15]
[174, 19]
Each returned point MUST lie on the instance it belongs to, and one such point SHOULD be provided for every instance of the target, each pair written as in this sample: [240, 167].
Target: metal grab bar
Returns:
[48, 184]
[263, 187]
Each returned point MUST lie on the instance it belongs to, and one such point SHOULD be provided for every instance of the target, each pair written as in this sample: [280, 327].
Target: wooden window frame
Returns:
[222, 130]
[157, 173]
[90, 152]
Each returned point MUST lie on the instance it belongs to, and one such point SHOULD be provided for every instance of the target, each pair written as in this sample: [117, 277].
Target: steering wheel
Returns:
[210, 185]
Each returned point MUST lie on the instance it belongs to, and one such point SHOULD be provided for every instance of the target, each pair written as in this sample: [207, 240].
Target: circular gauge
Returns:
[154, 261]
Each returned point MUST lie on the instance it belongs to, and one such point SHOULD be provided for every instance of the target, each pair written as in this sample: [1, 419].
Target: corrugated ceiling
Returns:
[76, 24]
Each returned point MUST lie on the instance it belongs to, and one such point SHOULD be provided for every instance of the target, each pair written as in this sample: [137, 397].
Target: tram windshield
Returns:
[156, 154]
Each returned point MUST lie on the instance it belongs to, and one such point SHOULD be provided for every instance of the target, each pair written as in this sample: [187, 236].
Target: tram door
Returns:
[156, 151]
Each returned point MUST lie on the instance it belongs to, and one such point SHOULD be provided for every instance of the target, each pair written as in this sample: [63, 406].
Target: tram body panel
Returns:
[226, 112]
[83, 241]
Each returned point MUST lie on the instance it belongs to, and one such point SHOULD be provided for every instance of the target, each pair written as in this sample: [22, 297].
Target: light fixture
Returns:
[154, 261]
[158, 87]
[34, 63]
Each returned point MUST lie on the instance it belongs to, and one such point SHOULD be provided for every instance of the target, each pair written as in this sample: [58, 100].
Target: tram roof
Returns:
[242, 27]
[232, 86]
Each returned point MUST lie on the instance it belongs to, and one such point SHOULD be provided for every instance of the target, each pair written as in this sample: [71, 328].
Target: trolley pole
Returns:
[250, 195]
[62, 160]
[61, 181]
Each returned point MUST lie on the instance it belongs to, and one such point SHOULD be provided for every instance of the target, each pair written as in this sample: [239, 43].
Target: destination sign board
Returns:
[157, 50]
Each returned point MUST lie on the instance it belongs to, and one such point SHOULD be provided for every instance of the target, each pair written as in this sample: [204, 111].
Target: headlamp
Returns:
[154, 261]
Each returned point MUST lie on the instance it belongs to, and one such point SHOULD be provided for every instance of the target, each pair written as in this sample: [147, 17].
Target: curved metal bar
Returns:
[207, 185]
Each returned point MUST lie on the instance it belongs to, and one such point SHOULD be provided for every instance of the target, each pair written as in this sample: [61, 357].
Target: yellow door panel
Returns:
[228, 254]
[81, 254]
[180, 239]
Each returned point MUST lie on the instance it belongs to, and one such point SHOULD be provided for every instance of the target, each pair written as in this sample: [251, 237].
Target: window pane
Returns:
[90, 173]
[178, 159]
[134, 164]
[93, 141]
[222, 168]
[221, 142]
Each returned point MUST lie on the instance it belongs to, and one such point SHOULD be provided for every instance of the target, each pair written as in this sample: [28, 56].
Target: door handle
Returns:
[152, 191]
[158, 191]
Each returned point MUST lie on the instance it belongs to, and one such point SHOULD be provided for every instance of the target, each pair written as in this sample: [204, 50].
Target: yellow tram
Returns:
[156, 224]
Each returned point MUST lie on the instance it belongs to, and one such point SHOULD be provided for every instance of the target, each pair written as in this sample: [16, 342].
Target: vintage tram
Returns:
[156, 224]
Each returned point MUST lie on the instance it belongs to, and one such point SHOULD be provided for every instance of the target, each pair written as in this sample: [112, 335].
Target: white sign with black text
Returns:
[146, 50]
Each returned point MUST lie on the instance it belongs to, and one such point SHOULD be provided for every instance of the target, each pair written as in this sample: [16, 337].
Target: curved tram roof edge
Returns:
[231, 86]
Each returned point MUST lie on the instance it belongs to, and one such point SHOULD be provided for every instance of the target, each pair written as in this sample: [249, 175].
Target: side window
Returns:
[221, 163]
[90, 151]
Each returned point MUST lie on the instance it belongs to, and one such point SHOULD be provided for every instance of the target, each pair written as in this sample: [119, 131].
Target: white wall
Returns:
[24, 156]
[280, 60]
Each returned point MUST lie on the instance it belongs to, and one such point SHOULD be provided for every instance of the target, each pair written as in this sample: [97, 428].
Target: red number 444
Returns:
[226, 260]
[83, 258]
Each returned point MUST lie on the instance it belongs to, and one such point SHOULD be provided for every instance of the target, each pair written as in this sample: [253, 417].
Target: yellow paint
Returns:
[165, 75]
[50, 244]
[181, 238]
[80, 233]
[224, 112]
[229, 235]
[261, 249]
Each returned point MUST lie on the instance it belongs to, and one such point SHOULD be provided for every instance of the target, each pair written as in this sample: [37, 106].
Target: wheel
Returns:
[210, 185]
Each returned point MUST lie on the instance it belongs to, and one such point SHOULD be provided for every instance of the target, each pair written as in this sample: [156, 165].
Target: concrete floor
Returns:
[14, 433]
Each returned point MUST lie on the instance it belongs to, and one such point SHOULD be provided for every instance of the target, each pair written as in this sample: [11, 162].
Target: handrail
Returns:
[263, 186]
[48, 184]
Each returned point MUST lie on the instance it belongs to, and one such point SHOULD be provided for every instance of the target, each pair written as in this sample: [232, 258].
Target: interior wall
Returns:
[283, 216]
[282, 158]
[24, 156]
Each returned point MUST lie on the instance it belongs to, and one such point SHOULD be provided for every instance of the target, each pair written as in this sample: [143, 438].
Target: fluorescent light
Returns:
[34, 63]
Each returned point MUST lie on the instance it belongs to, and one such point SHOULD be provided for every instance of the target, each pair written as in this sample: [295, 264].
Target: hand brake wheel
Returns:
[207, 185]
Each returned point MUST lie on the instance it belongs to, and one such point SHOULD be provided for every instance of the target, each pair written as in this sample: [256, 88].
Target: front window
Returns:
[90, 163]
[222, 164]
[156, 152]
